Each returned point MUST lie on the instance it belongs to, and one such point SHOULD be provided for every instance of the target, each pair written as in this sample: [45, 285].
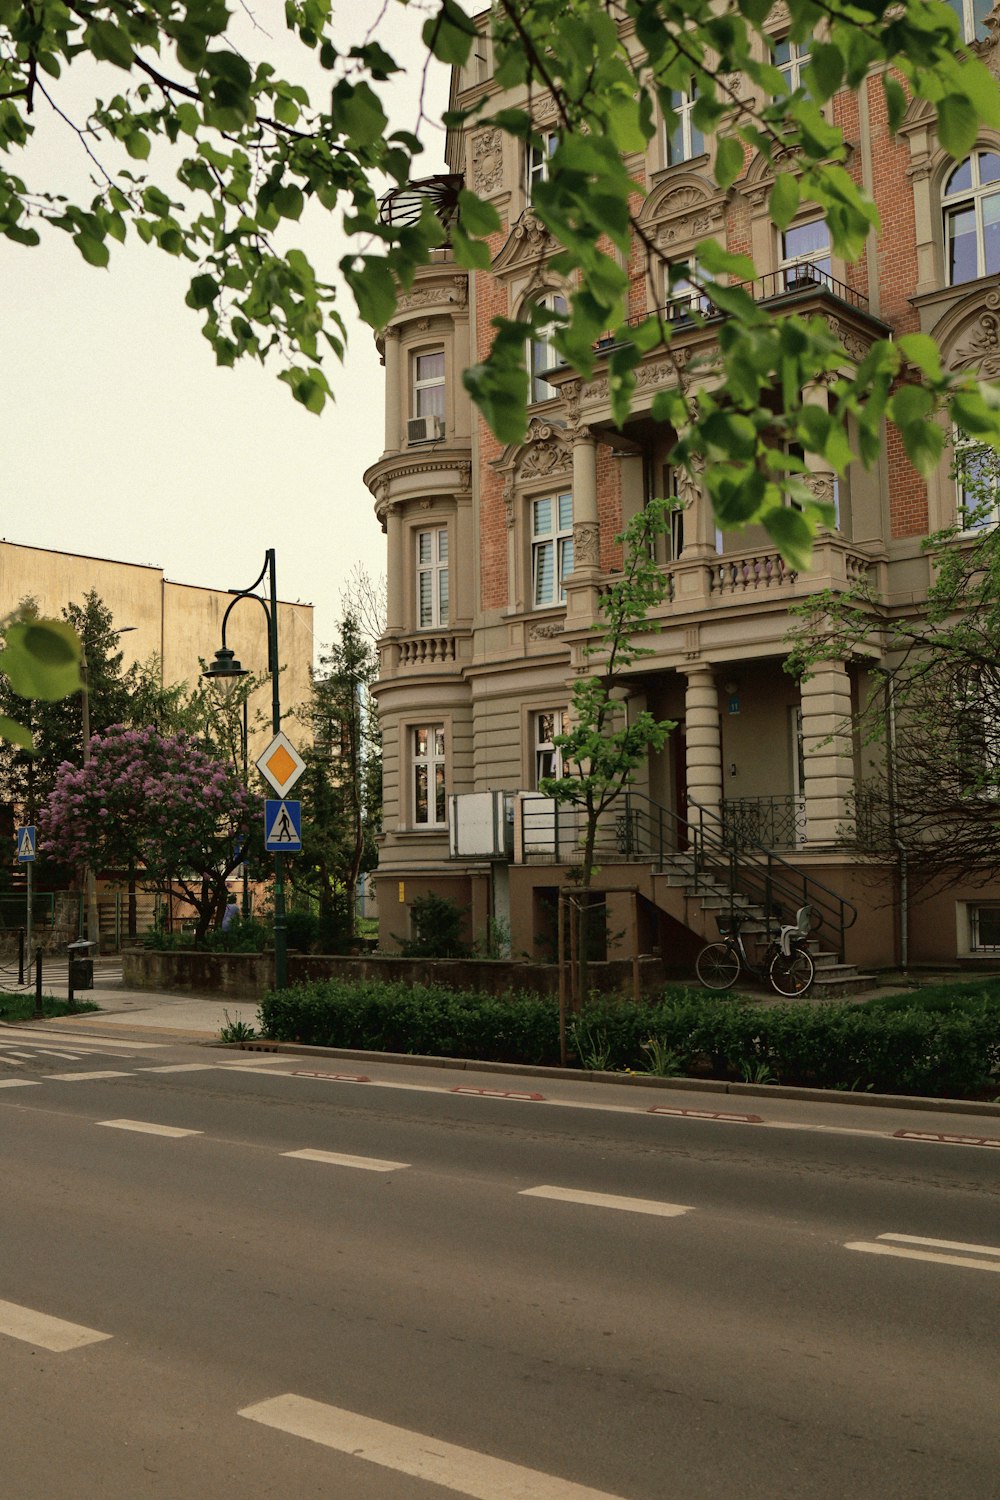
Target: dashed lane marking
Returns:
[146, 1127]
[180, 1068]
[82, 1077]
[19, 1083]
[45, 1332]
[904, 1247]
[609, 1200]
[422, 1456]
[336, 1159]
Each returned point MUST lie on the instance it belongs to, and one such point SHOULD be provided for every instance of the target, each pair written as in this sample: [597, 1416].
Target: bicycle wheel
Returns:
[718, 966]
[792, 975]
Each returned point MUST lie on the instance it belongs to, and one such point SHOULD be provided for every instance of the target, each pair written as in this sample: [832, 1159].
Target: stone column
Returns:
[586, 528]
[704, 743]
[820, 479]
[393, 392]
[395, 570]
[699, 518]
[827, 752]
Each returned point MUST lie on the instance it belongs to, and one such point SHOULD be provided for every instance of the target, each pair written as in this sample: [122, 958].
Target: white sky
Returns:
[119, 435]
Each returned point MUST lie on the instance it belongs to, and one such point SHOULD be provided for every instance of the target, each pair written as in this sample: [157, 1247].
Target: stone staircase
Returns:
[707, 900]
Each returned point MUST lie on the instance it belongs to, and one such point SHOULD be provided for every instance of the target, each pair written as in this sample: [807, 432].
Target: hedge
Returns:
[951, 1053]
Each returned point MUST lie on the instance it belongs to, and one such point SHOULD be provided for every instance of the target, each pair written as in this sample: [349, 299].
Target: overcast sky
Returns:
[122, 438]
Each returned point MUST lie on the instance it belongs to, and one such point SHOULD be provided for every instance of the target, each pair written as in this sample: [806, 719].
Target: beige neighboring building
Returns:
[496, 556]
[179, 623]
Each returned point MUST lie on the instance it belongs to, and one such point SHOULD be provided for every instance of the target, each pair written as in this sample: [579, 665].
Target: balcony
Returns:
[404, 205]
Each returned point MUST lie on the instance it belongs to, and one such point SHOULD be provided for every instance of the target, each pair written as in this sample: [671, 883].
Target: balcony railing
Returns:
[791, 282]
[778, 822]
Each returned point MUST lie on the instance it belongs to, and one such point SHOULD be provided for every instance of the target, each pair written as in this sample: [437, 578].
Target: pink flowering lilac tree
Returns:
[157, 805]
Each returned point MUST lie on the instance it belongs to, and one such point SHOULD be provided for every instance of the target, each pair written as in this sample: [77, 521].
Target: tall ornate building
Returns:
[496, 555]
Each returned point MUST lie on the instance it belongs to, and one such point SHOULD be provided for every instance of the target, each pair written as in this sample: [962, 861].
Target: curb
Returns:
[635, 1080]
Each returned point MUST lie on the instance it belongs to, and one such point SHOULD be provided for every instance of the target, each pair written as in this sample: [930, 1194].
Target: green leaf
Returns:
[94, 251]
[784, 200]
[11, 730]
[289, 202]
[958, 125]
[373, 286]
[921, 350]
[449, 35]
[202, 292]
[477, 217]
[712, 258]
[728, 160]
[358, 113]
[792, 534]
[896, 101]
[825, 70]
[41, 659]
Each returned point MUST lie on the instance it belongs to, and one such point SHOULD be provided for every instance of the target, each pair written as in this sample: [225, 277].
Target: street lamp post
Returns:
[225, 667]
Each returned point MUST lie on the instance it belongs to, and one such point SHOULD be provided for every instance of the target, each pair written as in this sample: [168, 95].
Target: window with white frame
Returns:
[805, 253]
[683, 139]
[971, 206]
[984, 927]
[541, 355]
[537, 160]
[790, 58]
[432, 578]
[972, 18]
[682, 296]
[430, 803]
[551, 549]
[977, 486]
[550, 723]
[427, 397]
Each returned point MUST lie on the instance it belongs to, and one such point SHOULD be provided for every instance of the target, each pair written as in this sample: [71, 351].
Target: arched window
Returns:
[971, 204]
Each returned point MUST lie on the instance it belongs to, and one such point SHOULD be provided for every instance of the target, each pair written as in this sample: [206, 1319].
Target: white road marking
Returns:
[146, 1128]
[44, 1332]
[899, 1245]
[335, 1159]
[81, 1077]
[18, 1083]
[476, 1475]
[23, 1056]
[66, 1056]
[609, 1200]
[12, 1061]
[180, 1068]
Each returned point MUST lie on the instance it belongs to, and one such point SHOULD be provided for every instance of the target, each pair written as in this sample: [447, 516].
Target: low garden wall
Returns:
[249, 976]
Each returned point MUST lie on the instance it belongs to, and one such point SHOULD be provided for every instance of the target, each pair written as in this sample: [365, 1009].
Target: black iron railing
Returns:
[635, 827]
[778, 822]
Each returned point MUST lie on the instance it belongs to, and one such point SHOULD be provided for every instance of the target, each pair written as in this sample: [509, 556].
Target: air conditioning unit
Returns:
[424, 429]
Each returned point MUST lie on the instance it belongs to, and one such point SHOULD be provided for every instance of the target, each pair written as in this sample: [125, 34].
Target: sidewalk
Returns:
[197, 1018]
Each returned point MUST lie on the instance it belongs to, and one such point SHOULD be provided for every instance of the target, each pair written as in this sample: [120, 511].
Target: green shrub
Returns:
[437, 929]
[953, 1053]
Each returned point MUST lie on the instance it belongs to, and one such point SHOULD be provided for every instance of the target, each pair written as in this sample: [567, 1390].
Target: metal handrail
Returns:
[636, 827]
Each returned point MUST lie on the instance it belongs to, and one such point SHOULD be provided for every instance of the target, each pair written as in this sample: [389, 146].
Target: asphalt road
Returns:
[555, 1298]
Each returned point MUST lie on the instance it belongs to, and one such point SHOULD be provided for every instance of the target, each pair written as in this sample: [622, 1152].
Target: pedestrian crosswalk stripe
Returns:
[45, 1332]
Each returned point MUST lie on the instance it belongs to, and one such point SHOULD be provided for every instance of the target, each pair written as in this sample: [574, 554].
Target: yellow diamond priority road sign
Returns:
[281, 764]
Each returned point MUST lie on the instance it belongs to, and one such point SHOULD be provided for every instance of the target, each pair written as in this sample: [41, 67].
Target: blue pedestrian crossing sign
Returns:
[283, 826]
[26, 842]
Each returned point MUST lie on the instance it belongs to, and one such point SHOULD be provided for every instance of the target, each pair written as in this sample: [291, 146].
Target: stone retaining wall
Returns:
[249, 976]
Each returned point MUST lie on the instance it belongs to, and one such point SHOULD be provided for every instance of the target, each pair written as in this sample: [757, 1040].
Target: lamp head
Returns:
[225, 670]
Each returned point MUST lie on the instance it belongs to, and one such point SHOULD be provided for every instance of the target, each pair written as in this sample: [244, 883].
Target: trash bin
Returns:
[81, 967]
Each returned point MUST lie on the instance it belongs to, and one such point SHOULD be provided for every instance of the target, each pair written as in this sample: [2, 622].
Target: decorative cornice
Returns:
[981, 350]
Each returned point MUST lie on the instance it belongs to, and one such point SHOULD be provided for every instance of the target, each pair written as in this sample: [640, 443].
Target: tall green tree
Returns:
[209, 153]
[342, 786]
[605, 744]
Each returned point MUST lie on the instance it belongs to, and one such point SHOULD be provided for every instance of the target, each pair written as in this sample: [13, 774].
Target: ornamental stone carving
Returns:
[854, 344]
[980, 350]
[989, 48]
[586, 545]
[544, 459]
[528, 241]
[487, 161]
[450, 294]
[545, 630]
[822, 486]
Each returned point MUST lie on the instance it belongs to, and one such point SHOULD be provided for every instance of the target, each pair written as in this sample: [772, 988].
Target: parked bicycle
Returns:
[785, 962]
